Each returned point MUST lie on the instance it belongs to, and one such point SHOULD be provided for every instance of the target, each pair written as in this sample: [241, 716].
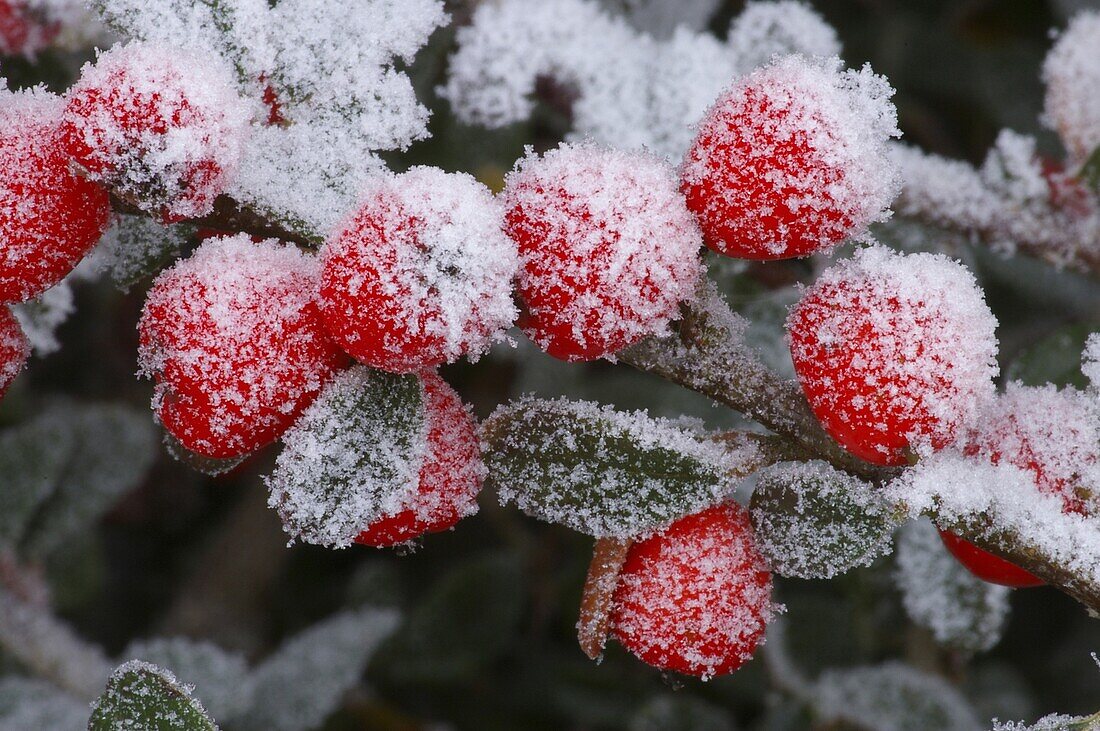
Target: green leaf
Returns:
[302, 683]
[680, 713]
[813, 522]
[467, 620]
[1054, 359]
[600, 471]
[892, 697]
[939, 594]
[94, 454]
[136, 247]
[143, 697]
[351, 457]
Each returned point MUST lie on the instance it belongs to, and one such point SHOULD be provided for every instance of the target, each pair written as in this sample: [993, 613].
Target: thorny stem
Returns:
[594, 622]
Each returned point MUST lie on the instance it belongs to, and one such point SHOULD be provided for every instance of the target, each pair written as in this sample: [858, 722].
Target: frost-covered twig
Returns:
[718, 363]
[50, 649]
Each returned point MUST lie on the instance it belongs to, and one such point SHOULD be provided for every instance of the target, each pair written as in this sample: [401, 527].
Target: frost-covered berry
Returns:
[14, 349]
[792, 160]
[450, 474]
[24, 30]
[1051, 434]
[1072, 78]
[49, 217]
[163, 126]
[377, 459]
[607, 248]
[234, 340]
[695, 598]
[894, 352]
[420, 274]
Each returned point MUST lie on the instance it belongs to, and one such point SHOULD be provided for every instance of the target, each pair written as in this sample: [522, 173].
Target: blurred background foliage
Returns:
[487, 639]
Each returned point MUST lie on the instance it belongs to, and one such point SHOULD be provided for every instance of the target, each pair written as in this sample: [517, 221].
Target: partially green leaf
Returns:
[143, 697]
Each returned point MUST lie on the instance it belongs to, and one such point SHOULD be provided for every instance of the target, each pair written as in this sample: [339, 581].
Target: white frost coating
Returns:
[452, 266]
[1010, 201]
[612, 224]
[958, 489]
[351, 458]
[29, 703]
[893, 697]
[1090, 361]
[1072, 77]
[960, 609]
[913, 331]
[540, 485]
[41, 317]
[163, 124]
[132, 248]
[1053, 722]
[633, 91]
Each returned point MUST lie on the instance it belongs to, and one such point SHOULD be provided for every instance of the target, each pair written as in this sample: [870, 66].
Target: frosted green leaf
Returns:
[939, 594]
[813, 522]
[1054, 359]
[298, 686]
[219, 677]
[601, 471]
[28, 703]
[135, 248]
[892, 697]
[143, 697]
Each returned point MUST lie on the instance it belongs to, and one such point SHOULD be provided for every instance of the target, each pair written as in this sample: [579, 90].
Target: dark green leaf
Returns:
[143, 697]
[599, 471]
[1054, 359]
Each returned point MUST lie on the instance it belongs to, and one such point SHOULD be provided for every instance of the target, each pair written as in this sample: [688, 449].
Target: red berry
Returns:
[14, 349]
[894, 352]
[1053, 435]
[791, 161]
[24, 31]
[448, 487]
[421, 274]
[986, 566]
[695, 597]
[49, 217]
[233, 337]
[163, 126]
[607, 247]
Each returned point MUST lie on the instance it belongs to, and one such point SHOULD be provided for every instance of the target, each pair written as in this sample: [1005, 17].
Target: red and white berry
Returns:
[14, 349]
[49, 216]
[420, 274]
[163, 126]
[696, 597]
[234, 340]
[792, 160]
[450, 474]
[894, 352]
[608, 249]
[1051, 434]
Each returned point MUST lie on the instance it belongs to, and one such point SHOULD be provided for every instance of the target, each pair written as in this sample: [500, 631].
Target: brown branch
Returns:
[594, 623]
[230, 215]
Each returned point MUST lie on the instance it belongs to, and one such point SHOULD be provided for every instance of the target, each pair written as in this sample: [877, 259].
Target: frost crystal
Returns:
[633, 91]
[41, 317]
[134, 247]
[353, 457]
[940, 594]
[1072, 77]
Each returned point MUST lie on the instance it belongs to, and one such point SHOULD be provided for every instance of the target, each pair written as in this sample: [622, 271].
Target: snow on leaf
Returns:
[28, 703]
[1072, 79]
[353, 456]
[136, 247]
[892, 697]
[299, 685]
[219, 677]
[143, 697]
[1053, 722]
[1090, 364]
[604, 472]
[813, 522]
[633, 91]
[941, 595]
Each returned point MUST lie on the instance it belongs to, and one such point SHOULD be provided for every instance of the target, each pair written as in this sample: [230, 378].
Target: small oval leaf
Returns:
[143, 697]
